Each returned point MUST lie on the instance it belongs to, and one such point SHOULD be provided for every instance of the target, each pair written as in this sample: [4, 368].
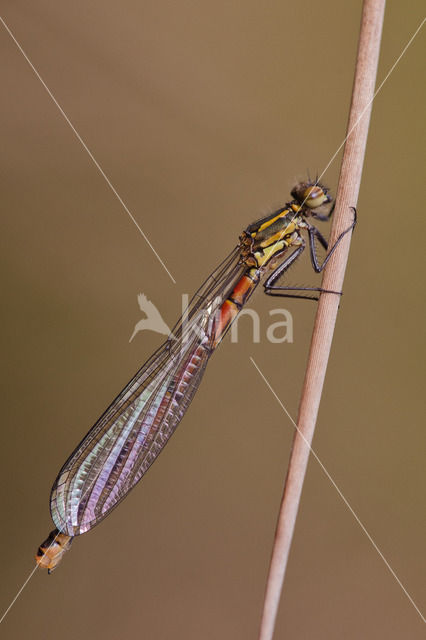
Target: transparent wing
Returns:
[128, 437]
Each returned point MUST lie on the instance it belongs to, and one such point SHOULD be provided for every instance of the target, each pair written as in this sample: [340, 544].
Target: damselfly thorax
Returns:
[128, 437]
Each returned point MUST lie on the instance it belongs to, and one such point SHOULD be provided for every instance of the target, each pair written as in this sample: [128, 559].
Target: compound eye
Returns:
[314, 197]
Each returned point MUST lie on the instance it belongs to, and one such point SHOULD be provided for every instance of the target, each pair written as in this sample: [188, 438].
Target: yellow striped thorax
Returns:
[270, 236]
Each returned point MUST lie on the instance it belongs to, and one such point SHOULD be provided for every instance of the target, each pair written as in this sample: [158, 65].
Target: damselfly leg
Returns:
[315, 233]
[272, 289]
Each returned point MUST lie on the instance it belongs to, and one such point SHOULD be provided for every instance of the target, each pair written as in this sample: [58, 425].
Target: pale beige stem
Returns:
[347, 195]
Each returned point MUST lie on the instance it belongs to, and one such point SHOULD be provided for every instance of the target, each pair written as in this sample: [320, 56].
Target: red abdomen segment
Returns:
[234, 303]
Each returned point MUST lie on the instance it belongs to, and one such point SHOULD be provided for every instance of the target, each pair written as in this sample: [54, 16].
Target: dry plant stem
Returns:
[347, 195]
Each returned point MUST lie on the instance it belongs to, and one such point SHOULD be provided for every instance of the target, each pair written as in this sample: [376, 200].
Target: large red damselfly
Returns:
[127, 438]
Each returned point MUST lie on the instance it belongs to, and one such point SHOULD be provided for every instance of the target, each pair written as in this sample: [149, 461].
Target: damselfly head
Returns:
[311, 194]
[50, 551]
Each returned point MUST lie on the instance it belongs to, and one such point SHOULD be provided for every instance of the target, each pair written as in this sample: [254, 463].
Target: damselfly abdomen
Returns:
[128, 437]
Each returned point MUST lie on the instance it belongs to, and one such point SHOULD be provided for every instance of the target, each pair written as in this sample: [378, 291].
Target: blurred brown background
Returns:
[203, 115]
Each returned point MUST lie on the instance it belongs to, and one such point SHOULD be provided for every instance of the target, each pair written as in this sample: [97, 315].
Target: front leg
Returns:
[314, 233]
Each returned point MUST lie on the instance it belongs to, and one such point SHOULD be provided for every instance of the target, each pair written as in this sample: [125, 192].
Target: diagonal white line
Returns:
[90, 154]
[333, 157]
[375, 94]
[19, 593]
[25, 584]
[339, 491]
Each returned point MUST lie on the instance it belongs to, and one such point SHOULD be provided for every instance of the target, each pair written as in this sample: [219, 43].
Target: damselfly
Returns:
[127, 438]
